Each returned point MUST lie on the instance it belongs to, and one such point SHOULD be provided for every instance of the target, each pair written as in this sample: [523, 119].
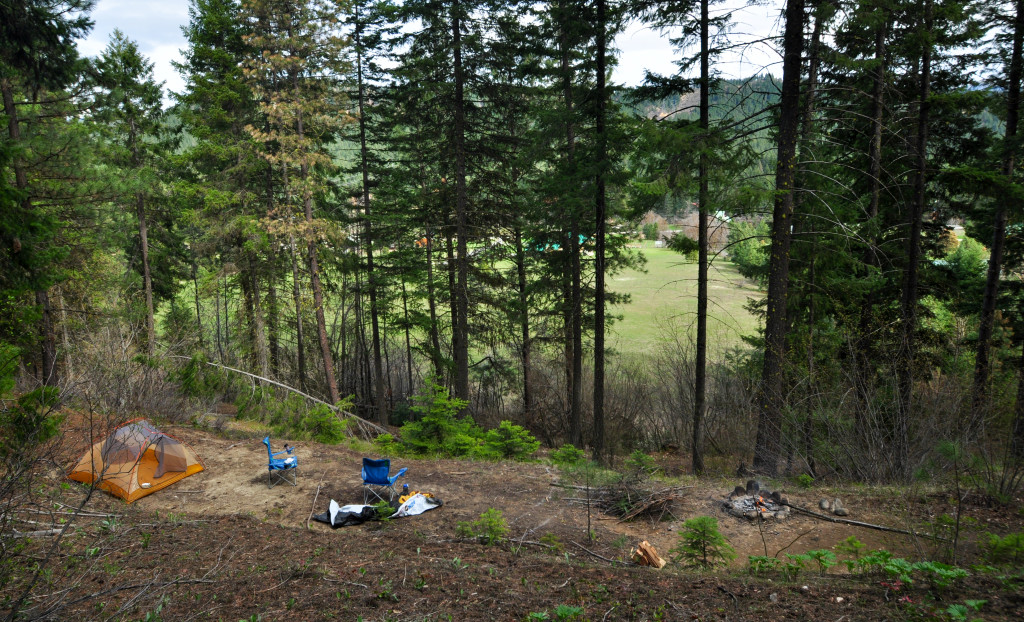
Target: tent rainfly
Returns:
[135, 460]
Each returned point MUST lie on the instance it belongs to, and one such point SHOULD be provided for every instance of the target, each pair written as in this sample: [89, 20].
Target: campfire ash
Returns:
[753, 502]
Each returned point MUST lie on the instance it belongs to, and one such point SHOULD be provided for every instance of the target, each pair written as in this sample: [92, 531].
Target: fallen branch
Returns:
[857, 523]
[312, 508]
[365, 427]
[35, 534]
[610, 561]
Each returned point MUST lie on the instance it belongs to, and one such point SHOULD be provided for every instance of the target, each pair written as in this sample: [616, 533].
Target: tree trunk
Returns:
[299, 337]
[908, 302]
[995, 261]
[600, 210]
[460, 302]
[700, 373]
[147, 280]
[573, 319]
[1017, 437]
[768, 447]
[314, 278]
[259, 324]
[47, 338]
[863, 374]
[524, 326]
[435, 337]
[199, 315]
[273, 327]
[408, 339]
[378, 370]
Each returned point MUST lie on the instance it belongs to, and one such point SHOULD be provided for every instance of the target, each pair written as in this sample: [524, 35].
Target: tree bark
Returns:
[601, 216]
[273, 327]
[371, 277]
[700, 373]
[900, 445]
[460, 302]
[768, 447]
[299, 336]
[995, 262]
[147, 279]
[524, 326]
[47, 337]
[573, 318]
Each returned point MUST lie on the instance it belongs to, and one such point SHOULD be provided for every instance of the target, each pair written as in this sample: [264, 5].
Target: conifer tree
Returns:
[130, 108]
[295, 76]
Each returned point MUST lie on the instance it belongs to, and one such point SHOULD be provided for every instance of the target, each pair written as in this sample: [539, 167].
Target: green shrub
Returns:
[567, 455]
[938, 574]
[324, 426]
[387, 445]
[804, 480]
[383, 510]
[439, 430]
[491, 528]
[825, 559]
[640, 466]
[762, 564]
[29, 422]
[1005, 550]
[509, 441]
[796, 564]
[701, 545]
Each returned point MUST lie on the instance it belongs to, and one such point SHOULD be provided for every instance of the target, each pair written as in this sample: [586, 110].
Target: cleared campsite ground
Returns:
[220, 545]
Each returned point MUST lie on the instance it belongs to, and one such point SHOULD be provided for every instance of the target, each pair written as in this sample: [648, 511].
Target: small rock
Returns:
[805, 589]
[839, 599]
[739, 491]
[776, 497]
[750, 514]
[774, 597]
[825, 504]
[837, 507]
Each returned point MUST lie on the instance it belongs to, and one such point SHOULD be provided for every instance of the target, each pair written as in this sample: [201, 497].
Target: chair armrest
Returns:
[285, 451]
[400, 473]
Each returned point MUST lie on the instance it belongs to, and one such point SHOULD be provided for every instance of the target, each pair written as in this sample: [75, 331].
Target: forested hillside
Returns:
[368, 201]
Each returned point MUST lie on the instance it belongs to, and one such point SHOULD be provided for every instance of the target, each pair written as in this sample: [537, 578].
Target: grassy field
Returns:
[664, 298]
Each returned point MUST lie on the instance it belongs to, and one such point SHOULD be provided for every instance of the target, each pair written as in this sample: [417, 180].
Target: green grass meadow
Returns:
[664, 300]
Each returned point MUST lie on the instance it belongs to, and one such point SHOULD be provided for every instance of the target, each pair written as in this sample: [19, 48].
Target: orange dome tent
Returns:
[135, 460]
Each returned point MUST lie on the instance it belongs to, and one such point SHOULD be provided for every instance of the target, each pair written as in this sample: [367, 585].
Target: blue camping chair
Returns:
[279, 469]
[377, 479]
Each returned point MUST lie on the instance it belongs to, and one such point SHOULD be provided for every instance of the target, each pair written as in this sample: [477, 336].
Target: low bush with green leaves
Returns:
[387, 445]
[438, 430]
[701, 545]
[491, 528]
[759, 565]
[324, 426]
[640, 466]
[1007, 550]
[509, 442]
[568, 455]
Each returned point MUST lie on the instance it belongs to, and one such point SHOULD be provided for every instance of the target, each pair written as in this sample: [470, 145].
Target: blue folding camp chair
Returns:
[279, 469]
[377, 480]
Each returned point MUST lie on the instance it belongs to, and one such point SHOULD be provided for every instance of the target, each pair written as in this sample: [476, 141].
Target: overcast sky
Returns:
[156, 26]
